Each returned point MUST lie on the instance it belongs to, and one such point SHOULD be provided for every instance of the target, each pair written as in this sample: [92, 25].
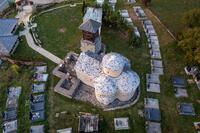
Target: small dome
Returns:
[113, 64]
[105, 89]
[127, 83]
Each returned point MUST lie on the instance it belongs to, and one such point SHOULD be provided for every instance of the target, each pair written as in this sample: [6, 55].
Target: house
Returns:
[8, 44]
[8, 26]
[8, 41]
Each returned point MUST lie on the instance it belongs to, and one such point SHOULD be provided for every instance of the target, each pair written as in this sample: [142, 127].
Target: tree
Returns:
[191, 19]
[189, 40]
[84, 6]
[134, 40]
[190, 45]
[112, 18]
[146, 2]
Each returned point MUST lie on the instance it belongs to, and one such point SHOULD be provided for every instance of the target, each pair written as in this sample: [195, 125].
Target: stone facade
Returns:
[117, 82]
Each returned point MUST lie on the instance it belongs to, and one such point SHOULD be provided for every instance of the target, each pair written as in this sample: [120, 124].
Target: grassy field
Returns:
[59, 34]
[64, 23]
[171, 11]
[64, 42]
[174, 64]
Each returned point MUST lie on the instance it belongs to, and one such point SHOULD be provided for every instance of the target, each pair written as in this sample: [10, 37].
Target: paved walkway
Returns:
[40, 50]
[24, 18]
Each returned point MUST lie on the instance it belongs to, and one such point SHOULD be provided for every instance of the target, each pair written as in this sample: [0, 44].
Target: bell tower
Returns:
[91, 40]
[91, 30]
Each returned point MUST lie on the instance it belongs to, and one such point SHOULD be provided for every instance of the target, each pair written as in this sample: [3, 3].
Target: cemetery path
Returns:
[24, 17]
[40, 50]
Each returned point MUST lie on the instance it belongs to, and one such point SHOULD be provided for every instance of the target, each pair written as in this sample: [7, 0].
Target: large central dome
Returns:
[113, 64]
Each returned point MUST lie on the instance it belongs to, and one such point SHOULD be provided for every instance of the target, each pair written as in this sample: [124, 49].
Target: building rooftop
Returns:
[7, 26]
[94, 14]
[7, 43]
[90, 26]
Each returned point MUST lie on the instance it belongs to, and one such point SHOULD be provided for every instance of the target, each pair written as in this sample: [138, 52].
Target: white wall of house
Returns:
[3, 5]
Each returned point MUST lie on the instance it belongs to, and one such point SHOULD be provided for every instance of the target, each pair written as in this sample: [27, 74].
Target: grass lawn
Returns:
[69, 40]
[62, 27]
[9, 78]
[174, 64]
[171, 11]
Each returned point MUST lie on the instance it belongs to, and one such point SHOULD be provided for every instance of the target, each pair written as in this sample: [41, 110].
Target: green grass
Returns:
[171, 11]
[61, 43]
[68, 20]
[174, 65]
[10, 78]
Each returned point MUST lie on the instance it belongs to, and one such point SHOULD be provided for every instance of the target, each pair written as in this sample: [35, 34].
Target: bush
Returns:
[112, 18]
[190, 44]
[191, 19]
[134, 40]
[189, 39]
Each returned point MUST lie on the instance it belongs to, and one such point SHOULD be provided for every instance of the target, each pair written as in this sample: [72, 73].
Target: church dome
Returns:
[113, 64]
[105, 89]
[127, 84]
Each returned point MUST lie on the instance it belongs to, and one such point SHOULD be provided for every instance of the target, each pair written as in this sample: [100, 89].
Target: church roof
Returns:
[94, 14]
[90, 26]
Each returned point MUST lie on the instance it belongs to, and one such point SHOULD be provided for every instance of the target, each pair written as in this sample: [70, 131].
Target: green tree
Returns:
[134, 40]
[190, 45]
[112, 18]
[84, 6]
[191, 19]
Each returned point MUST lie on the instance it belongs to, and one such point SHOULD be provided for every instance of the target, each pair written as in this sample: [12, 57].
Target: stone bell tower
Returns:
[91, 29]
[91, 40]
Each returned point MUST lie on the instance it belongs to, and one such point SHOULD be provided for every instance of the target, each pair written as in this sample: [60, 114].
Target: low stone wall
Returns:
[127, 105]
